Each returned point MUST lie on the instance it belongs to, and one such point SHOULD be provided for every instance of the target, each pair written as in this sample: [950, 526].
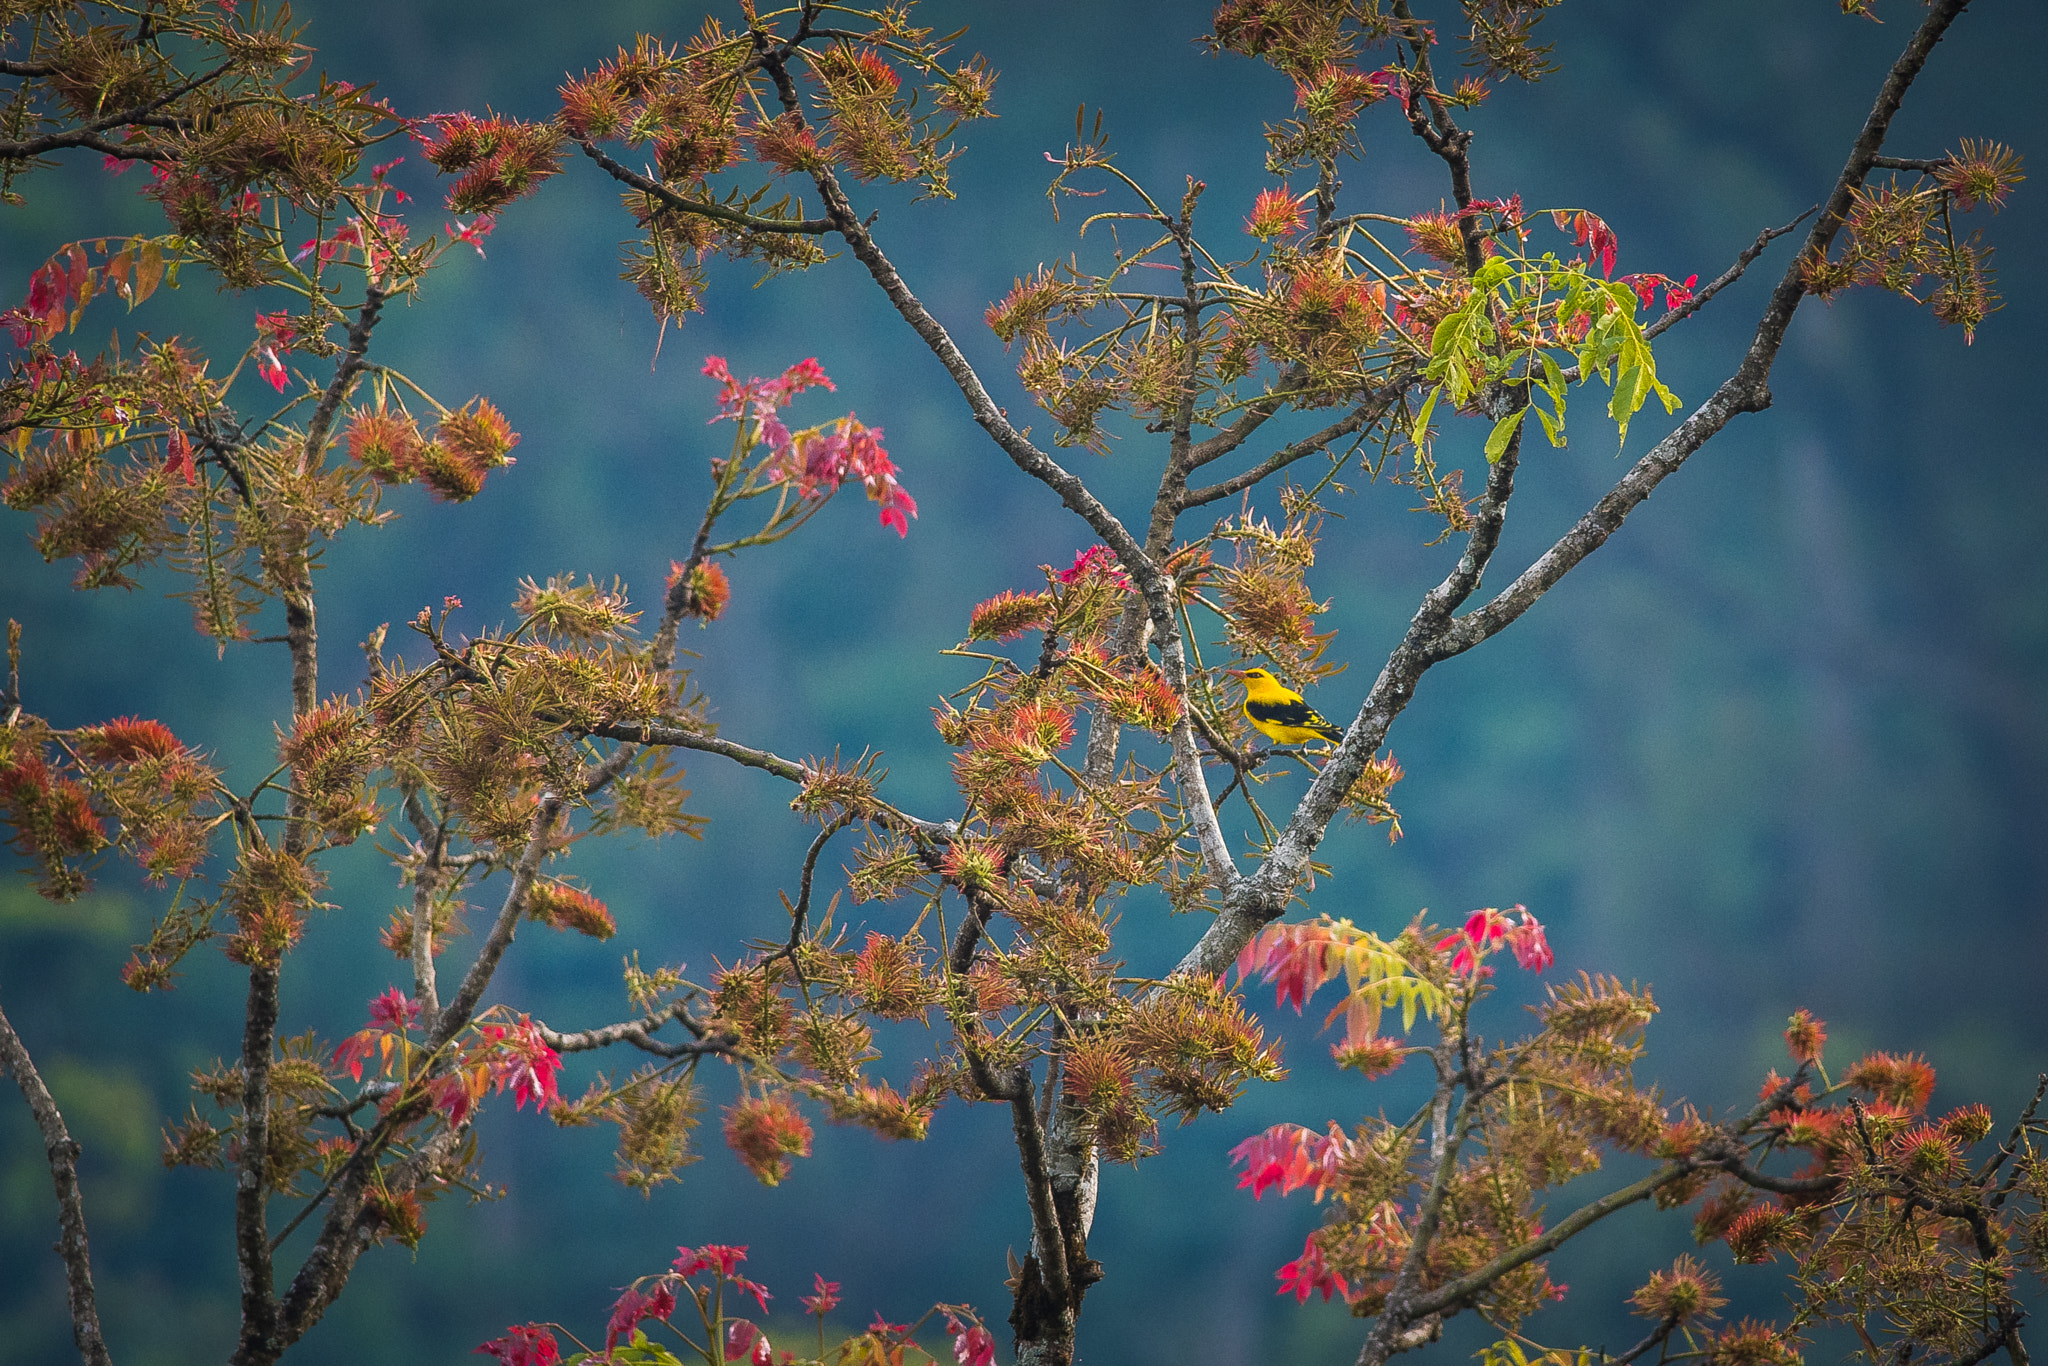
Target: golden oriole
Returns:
[1278, 712]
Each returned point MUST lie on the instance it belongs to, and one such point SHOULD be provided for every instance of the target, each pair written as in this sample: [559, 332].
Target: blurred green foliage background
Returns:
[1781, 743]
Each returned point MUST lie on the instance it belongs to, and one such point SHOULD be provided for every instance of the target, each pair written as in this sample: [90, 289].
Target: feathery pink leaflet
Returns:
[973, 1345]
[528, 1344]
[816, 460]
[635, 1305]
[825, 1301]
[1291, 1157]
[1308, 1273]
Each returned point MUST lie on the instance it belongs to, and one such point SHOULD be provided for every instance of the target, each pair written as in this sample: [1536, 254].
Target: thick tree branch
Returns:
[426, 885]
[90, 141]
[261, 1339]
[640, 1033]
[1430, 119]
[1656, 1338]
[347, 1230]
[1048, 1239]
[1432, 637]
[1264, 896]
[1746, 391]
[252, 1196]
[87, 136]
[1985, 1349]
[1403, 1309]
[1777, 1185]
[1072, 491]
[351, 1226]
[61, 1151]
[352, 363]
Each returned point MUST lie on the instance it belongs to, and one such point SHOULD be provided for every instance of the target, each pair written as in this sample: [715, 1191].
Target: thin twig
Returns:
[654, 189]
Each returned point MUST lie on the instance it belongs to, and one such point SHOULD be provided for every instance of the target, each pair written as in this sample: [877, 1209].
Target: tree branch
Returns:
[1264, 896]
[1364, 415]
[1459, 1291]
[90, 141]
[639, 1033]
[1072, 491]
[1402, 1309]
[1746, 391]
[1777, 1185]
[681, 737]
[252, 1235]
[349, 1227]
[62, 1152]
[799, 914]
[2011, 1144]
[344, 1233]
[352, 364]
[86, 136]
[1048, 1239]
[1924, 165]
[1657, 1335]
[1673, 317]
[1237, 433]
[654, 189]
[1430, 119]
[461, 1007]
[426, 882]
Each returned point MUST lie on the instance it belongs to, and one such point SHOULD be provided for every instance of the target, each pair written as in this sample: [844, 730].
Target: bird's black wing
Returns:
[1295, 713]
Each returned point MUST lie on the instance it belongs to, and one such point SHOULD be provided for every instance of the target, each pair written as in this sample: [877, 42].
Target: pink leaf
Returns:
[974, 1346]
[529, 1344]
[1309, 1273]
[825, 1301]
[745, 1342]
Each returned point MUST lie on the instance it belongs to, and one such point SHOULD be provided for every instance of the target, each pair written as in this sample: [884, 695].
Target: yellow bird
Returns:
[1278, 711]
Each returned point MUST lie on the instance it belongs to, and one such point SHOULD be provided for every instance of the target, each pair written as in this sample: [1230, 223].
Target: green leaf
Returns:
[1588, 359]
[1552, 428]
[1492, 273]
[1553, 380]
[1669, 399]
[1630, 385]
[1503, 432]
[1422, 418]
[1444, 338]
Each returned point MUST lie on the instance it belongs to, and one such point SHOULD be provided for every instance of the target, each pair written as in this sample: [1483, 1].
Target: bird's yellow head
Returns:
[1258, 683]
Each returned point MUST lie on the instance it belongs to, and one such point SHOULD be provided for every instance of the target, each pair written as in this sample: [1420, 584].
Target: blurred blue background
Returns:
[1779, 744]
